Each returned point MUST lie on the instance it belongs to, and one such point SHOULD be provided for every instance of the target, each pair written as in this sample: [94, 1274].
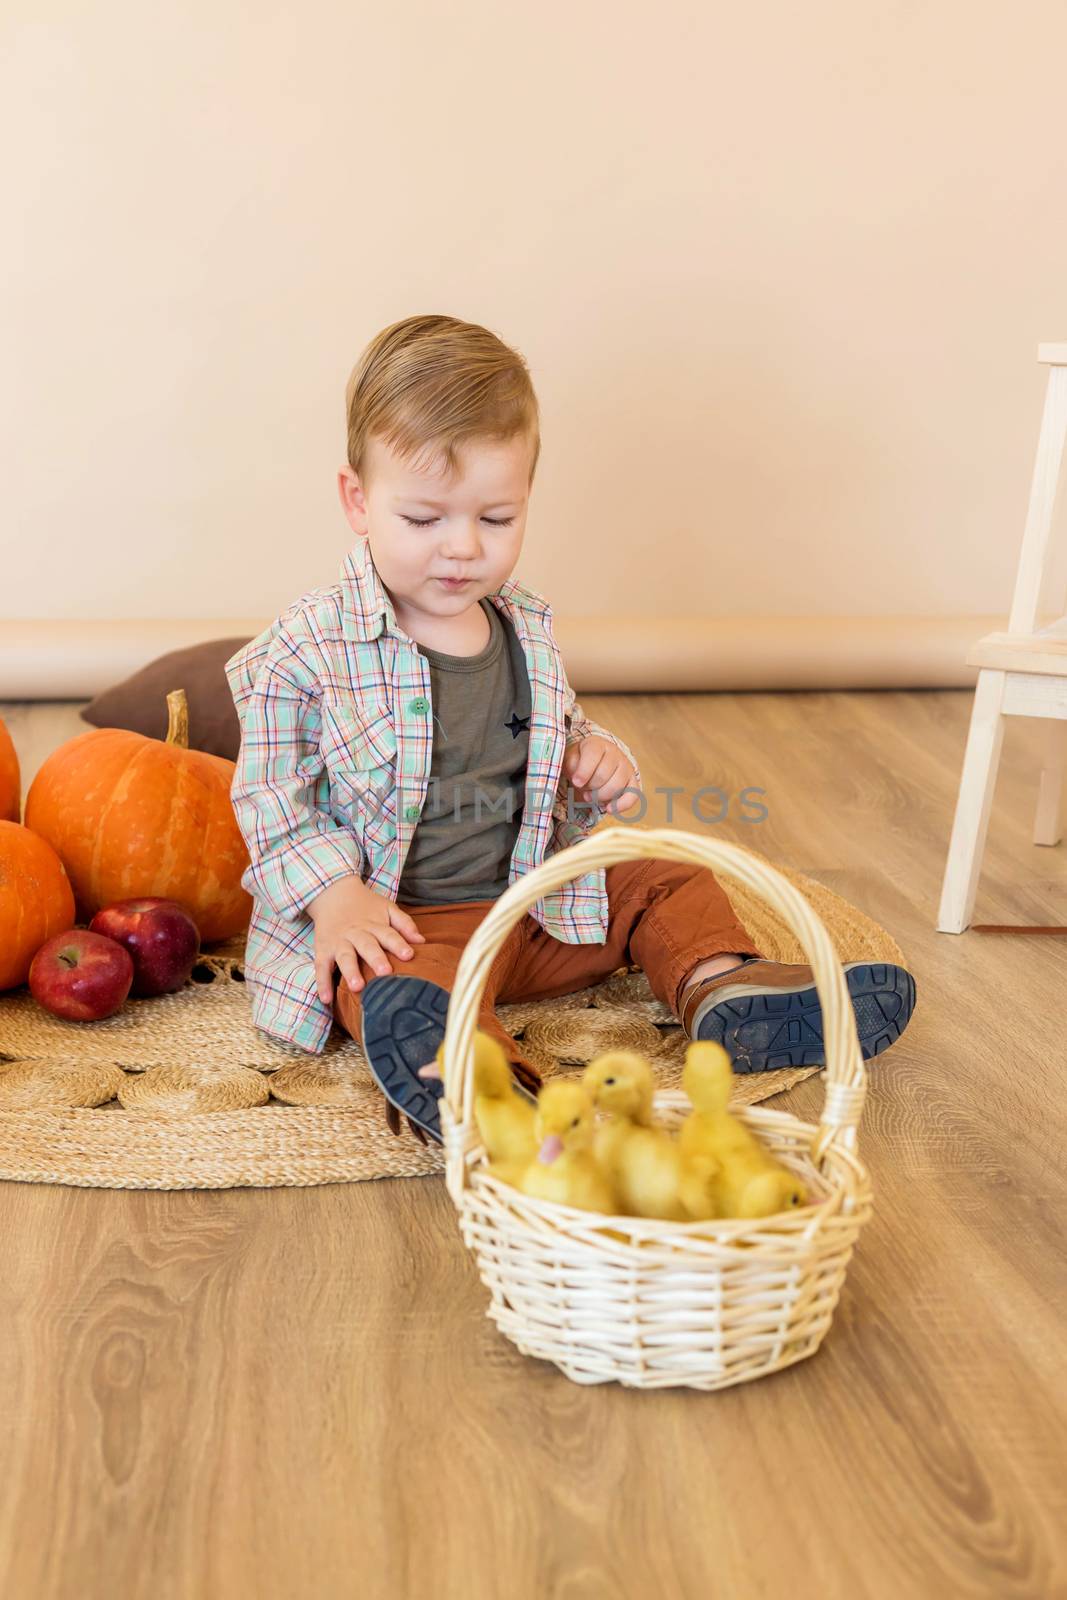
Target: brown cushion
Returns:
[140, 701]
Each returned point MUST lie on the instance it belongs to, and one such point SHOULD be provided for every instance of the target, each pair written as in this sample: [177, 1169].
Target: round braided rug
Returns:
[516, 1015]
[575, 1037]
[208, 1020]
[30, 1085]
[201, 1086]
[122, 1103]
[326, 1083]
[628, 991]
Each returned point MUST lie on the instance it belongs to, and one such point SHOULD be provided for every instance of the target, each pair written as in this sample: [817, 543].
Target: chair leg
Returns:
[973, 804]
[1048, 823]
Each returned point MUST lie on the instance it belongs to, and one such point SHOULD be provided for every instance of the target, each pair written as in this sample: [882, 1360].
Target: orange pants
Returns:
[664, 916]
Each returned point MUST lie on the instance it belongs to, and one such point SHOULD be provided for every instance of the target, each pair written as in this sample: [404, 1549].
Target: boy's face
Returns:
[423, 527]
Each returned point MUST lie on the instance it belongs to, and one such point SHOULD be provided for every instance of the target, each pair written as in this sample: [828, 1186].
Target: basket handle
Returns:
[845, 1072]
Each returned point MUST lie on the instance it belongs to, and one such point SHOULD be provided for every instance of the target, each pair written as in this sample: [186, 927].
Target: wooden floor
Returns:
[290, 1393]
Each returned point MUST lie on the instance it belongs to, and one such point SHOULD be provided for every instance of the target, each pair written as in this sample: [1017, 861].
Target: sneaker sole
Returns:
[402, 1023]
[762, 1030]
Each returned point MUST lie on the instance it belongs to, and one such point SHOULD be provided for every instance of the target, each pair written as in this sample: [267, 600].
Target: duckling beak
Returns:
[550, 1149]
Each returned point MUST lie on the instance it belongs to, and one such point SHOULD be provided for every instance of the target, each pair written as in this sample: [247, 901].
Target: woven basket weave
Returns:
[649, 1303]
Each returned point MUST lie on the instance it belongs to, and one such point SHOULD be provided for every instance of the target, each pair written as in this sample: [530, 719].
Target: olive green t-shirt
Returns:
[462, 844]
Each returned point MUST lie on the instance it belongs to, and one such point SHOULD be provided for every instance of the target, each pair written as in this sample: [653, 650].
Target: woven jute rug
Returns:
[183, 1092]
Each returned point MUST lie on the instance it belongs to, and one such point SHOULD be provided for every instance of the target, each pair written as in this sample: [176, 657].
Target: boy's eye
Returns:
[426, 522]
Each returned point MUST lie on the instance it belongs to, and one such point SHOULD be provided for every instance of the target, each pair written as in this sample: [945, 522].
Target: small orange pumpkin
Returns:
[10, 777]
[36, 900]
[132, 816]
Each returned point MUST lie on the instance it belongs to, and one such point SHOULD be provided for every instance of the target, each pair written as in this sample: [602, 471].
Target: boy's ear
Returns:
[353, 503]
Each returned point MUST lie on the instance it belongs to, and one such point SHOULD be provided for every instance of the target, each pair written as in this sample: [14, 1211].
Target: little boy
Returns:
[411, 746]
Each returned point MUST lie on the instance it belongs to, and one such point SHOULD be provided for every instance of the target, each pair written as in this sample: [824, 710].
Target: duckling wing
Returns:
[648, 1171]
[507, 1129]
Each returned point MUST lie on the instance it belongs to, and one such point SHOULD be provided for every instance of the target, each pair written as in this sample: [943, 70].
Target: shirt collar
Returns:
[368, 607]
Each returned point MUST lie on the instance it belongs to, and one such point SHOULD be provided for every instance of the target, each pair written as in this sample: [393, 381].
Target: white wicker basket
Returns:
[702, 1304]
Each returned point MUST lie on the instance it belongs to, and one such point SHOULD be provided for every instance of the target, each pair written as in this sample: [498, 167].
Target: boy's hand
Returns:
[598, 771]
[352, 920]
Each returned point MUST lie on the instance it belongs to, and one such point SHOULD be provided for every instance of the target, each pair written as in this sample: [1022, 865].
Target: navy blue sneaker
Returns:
[402, 1023]
[767, 1014]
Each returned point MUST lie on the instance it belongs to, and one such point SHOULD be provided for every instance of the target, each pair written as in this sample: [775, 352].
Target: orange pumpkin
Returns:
[10, 778]
[36, 900]
[131, 816]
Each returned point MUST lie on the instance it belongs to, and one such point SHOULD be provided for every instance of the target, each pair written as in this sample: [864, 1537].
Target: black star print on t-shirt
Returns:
[517, 725]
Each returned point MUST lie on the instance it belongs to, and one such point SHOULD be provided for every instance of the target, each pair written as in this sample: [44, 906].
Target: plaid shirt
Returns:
[333, 769]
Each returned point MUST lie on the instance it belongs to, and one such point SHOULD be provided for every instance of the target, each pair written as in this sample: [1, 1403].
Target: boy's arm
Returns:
[242, 669]
[295, 849]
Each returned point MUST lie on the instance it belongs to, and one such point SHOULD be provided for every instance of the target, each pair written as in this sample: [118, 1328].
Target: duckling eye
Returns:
[576, 1121]
[608, 1080]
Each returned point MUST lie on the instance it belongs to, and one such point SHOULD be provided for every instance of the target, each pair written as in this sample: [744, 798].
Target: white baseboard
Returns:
[69, 660]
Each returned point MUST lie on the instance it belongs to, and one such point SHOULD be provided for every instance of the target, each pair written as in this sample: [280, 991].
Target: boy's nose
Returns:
[462, 540]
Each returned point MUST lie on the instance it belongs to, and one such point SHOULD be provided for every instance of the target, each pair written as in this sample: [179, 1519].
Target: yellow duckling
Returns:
[565, 1168]
[504, 1117]
[653, 1175]
[749, 1182]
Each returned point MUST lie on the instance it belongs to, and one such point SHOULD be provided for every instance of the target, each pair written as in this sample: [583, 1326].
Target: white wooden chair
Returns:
[1022, 673]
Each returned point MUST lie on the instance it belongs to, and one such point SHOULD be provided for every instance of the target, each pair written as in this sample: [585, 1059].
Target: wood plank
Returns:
[1035, 694]
[1021, 652]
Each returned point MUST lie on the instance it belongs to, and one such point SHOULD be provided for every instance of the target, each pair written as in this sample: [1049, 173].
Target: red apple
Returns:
[161, 937]
[81, 975]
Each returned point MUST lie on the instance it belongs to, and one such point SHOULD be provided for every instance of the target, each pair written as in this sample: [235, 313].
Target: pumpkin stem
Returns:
[178, 719]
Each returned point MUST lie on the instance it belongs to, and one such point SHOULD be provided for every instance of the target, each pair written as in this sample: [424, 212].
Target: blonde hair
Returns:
[428, 384]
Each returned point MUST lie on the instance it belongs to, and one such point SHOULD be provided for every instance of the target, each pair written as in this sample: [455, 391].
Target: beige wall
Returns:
[780, 273]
